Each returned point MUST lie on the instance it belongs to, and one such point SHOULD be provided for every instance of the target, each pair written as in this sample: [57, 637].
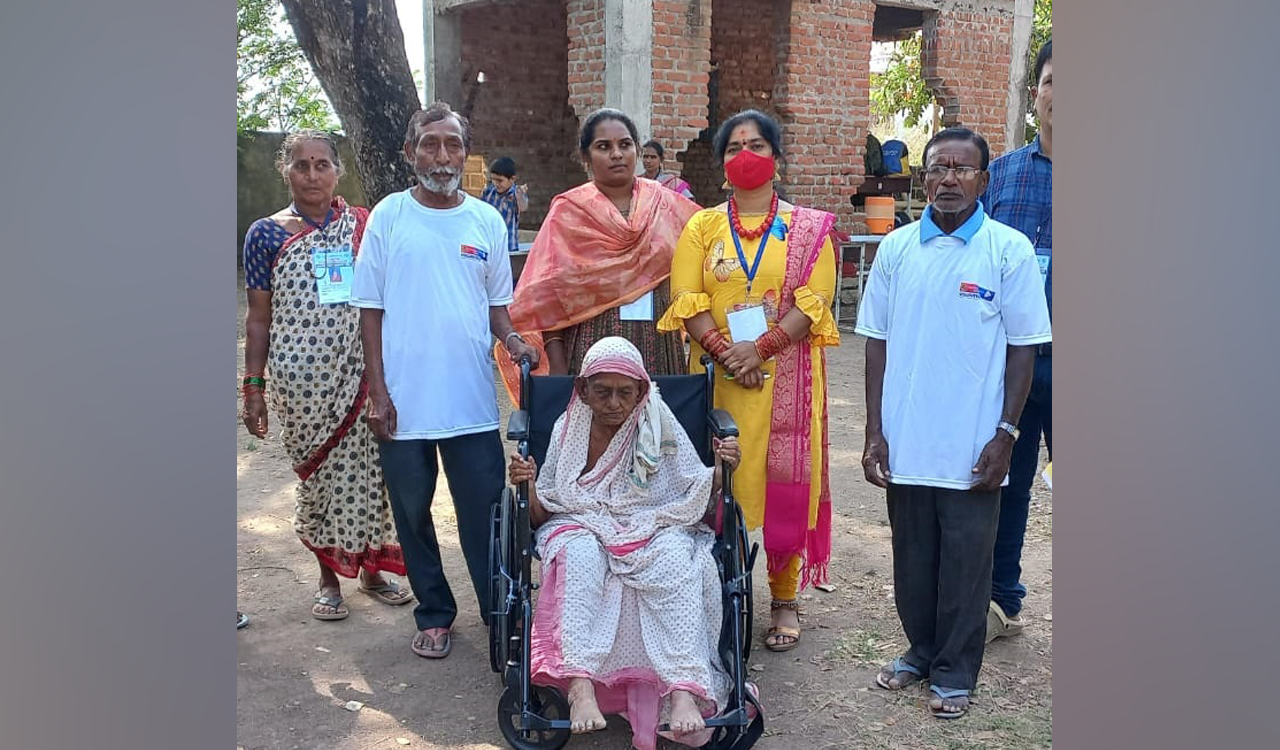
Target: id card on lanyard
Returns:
[333, 268]
[638, 310]
[1044, 254]
[747, 321]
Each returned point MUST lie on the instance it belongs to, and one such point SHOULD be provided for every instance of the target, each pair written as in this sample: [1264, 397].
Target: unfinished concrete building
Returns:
[529, 70]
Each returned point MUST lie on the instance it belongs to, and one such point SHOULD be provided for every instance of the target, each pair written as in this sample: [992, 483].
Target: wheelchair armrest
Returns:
[518, 426]
[722, 424]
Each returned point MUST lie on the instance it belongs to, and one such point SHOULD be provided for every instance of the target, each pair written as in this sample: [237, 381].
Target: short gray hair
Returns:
[284, 157]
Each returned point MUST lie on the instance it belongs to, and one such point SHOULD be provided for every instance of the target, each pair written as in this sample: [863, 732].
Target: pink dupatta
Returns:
[788, 478]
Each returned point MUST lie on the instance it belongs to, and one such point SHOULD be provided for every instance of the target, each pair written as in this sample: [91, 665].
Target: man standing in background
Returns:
[1020, 194]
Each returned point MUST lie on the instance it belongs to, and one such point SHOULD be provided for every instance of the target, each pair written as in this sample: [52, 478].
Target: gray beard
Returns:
[446, 188]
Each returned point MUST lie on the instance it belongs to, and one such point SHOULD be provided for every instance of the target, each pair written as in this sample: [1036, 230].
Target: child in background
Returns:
[510, 199]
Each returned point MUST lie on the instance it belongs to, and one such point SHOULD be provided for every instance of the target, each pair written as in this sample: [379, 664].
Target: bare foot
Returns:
[584, 713]
[685, 716]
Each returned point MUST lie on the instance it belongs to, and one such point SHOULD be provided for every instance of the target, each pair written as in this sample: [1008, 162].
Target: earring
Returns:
[726, 186]
[776, 176]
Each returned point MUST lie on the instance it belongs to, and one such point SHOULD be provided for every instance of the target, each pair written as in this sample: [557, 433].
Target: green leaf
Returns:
[275, 86]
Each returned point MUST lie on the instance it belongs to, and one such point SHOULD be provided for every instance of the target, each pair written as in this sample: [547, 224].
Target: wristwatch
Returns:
[1010, 428]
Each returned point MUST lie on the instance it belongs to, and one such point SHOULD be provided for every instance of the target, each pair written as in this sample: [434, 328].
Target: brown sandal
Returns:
[783, 631]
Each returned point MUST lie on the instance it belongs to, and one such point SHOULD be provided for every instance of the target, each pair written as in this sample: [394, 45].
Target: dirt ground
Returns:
[295, 673]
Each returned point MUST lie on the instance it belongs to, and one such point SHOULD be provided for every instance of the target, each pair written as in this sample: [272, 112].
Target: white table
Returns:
[859, 241]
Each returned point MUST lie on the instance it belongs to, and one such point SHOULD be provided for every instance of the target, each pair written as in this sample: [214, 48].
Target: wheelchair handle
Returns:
[526, 370]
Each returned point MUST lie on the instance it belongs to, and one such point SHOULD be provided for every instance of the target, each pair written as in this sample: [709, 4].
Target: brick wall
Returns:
[681, 73]
[822, 97]
[744, 49]
[805, 62]
[586, 55]
[744, 55]
[965, 58]
[522, 109]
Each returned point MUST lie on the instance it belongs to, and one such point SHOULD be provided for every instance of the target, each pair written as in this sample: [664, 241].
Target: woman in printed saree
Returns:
[600, 262]
[628, 616]
[753, 281]
[652, 157]
[298, 265]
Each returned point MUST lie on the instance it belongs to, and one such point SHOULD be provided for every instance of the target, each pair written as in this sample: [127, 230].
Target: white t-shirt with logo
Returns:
[435, 273]
[946, 310]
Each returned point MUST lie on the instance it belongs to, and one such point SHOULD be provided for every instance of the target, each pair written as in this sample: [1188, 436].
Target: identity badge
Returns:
[640, 310]
[1044, 255]
[746, 323]
[333, 268]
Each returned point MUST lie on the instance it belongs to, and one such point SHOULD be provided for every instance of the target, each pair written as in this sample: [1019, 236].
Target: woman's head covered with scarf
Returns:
[613, 390]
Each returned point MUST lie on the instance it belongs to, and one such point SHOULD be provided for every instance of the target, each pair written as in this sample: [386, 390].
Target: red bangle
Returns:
[714, 343]
[772, 342]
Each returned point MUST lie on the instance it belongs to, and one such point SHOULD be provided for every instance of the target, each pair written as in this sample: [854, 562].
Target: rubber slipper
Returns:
[388, 592]
[944, 695]
[436, 651]
[333, 602]
[242, 620]
[893, 669]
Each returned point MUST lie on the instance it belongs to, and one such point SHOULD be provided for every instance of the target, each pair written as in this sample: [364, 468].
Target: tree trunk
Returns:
[356, 49]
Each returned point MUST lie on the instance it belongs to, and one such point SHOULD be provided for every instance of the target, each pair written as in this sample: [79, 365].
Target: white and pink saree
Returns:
[630, 594]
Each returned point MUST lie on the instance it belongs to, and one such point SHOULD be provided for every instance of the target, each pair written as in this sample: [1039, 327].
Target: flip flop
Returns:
[389, 592]
[333, 602]
[242, 620]
[893, 669]
[436, 651]
[944, 694]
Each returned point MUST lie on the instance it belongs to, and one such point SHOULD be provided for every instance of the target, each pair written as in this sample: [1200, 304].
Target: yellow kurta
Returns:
[706, 276]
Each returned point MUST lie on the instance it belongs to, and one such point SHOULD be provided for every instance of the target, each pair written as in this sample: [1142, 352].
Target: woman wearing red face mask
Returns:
[752, 282]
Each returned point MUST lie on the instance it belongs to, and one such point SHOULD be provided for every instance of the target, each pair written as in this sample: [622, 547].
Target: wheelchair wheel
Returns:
[748, 608]
[500, 624]
[497, 592]
[545, 701]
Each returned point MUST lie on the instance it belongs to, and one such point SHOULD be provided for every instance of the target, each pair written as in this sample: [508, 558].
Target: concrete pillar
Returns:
[428, 52]
[1020, 46]
[628, 60]
[444, 53]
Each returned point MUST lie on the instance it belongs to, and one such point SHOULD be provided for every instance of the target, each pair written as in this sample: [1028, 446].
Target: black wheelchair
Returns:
[536, 717]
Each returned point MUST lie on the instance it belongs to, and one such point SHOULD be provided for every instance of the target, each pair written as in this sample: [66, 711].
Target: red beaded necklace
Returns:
[758, 231]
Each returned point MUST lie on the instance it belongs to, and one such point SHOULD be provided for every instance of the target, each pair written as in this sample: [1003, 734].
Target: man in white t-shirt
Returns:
[953, 311]
[433, 280]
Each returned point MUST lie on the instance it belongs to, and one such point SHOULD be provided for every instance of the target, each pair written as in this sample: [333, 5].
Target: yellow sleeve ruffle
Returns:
[822, 329]
[684, 306]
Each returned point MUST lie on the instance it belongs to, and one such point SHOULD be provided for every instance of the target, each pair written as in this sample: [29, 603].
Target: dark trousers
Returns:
[942, 542]
[473, 466]
[1015, 501]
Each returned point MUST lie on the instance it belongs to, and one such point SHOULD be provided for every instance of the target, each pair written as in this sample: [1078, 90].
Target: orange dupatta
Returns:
[587, 259]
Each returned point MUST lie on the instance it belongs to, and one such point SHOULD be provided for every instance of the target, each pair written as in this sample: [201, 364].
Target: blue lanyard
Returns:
[328, 217]
[742, 258]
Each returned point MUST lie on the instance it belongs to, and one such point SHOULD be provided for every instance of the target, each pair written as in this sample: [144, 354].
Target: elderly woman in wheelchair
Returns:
[629, 613]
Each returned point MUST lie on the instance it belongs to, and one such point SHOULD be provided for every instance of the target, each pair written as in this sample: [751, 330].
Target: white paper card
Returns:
[333, 270]
[747, 324]
[641, 309]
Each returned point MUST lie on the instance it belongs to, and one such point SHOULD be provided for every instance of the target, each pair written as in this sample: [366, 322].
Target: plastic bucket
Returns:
[880, 214]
